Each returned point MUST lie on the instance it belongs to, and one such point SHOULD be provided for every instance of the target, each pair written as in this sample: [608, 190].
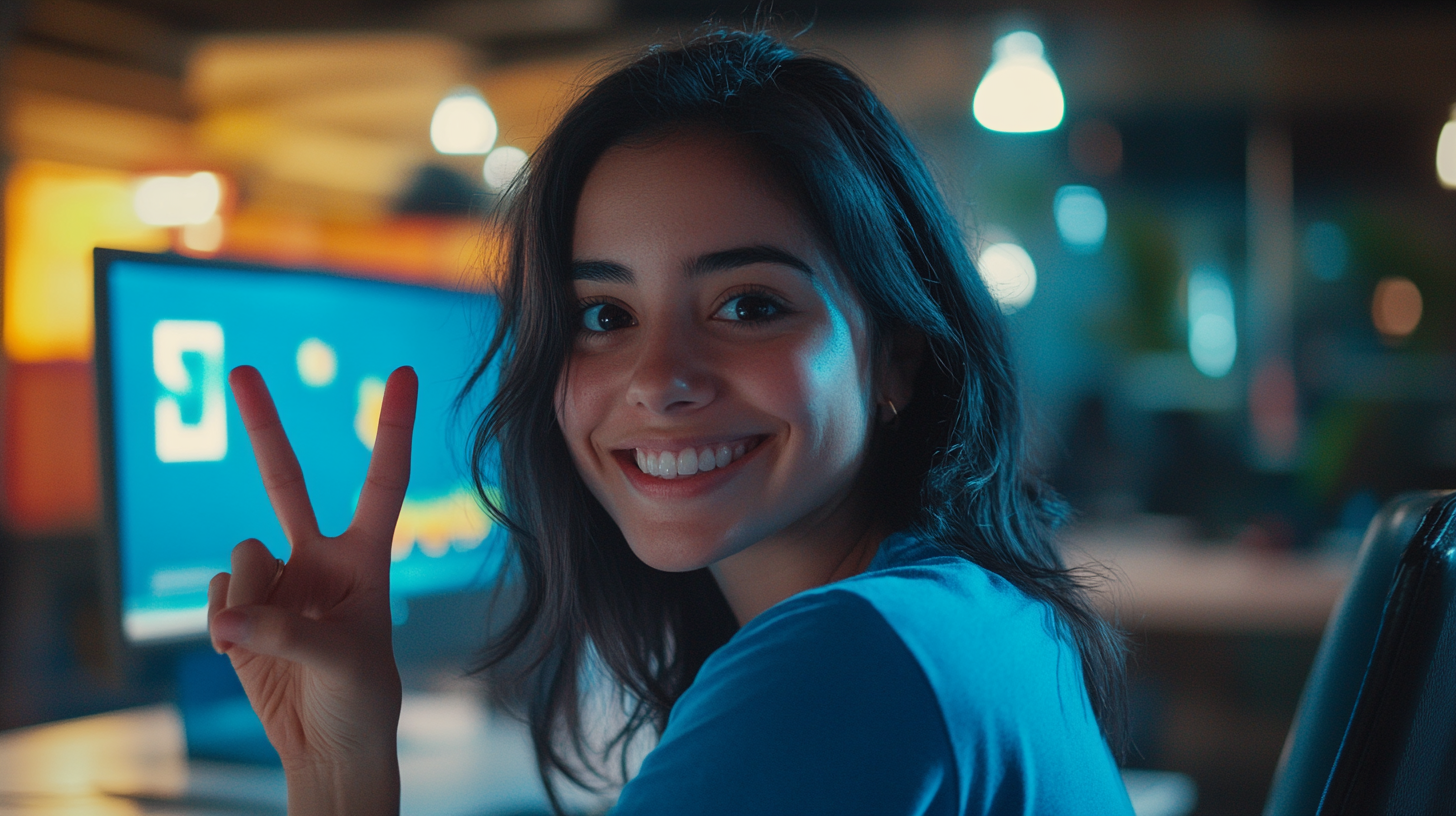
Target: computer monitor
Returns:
[182, 487]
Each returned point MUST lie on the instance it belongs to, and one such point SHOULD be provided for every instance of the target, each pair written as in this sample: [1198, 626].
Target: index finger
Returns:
[282, 477]
[389, 464]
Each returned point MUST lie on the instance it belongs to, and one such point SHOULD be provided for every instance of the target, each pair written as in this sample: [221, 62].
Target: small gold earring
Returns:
[894, 414]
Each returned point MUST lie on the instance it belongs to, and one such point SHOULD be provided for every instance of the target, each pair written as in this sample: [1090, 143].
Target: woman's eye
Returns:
[750, 308]
[605, 317]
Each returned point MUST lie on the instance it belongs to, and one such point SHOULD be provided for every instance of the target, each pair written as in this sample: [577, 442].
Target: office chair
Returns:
[1375, 732]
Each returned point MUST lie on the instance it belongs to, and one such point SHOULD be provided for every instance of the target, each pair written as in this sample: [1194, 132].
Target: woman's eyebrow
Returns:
[604, 271]
[721, 261]
[744, 256]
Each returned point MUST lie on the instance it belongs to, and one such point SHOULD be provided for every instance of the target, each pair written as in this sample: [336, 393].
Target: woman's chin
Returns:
[677, 551]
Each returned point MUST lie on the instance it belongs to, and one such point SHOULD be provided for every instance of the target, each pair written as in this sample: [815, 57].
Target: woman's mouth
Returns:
[679, 464]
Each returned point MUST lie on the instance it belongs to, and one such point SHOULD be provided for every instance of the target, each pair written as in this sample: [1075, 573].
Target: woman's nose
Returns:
[671, 373]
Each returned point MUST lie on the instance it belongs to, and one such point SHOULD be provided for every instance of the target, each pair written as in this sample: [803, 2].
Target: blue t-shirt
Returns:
[924, 685]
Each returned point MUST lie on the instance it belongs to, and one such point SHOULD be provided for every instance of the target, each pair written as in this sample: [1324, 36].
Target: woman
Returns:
[761, 463]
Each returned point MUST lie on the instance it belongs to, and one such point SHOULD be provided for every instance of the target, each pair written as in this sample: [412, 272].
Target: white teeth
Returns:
[687, 462]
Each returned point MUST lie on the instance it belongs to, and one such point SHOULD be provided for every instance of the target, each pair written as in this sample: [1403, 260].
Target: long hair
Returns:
[955, 471]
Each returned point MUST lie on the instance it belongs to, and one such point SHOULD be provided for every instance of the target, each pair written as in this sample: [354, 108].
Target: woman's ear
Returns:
[899, 364]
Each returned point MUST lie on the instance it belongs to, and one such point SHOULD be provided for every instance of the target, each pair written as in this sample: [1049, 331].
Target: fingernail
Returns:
[232, 626]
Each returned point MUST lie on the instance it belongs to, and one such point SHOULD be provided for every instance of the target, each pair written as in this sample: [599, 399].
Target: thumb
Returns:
[277, 632]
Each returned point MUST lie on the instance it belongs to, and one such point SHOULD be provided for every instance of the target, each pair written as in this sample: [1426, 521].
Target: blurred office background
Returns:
[1226, 250]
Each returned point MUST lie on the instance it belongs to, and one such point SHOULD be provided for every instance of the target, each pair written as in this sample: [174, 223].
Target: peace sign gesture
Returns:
[310, 639]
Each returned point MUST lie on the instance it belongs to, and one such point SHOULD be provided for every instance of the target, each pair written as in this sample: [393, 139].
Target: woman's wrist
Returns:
[363, 785]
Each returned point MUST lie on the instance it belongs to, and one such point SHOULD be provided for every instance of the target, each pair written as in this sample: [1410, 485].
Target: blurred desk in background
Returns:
[456, 758]
[1163, 580]
[1222, 636]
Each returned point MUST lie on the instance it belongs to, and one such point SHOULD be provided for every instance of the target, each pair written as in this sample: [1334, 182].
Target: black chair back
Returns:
[1382, 667]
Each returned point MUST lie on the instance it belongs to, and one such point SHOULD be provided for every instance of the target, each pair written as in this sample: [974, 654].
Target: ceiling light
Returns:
[1020, 92]
[172, 201]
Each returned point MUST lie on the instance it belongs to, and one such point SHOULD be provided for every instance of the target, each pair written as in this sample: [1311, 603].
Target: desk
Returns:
[1163, 580]
[456, 759]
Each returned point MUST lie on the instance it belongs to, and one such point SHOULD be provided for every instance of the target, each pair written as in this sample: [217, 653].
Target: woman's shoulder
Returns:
[986, 650]
[920, 591]
[1006, 683]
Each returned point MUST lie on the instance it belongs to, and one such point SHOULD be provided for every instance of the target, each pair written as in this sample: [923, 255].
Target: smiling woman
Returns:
[760, 459]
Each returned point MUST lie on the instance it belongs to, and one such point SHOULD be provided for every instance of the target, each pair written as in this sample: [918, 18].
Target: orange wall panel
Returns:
[51, 468]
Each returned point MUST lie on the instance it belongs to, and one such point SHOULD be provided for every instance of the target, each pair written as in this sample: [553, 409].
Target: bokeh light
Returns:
[1212, 337]
[1081, 217]
[1396, 307]
[463, 123]
[1009, 275]
[1446, 153]
[172, 201]
[502, 165]
[1020, 92]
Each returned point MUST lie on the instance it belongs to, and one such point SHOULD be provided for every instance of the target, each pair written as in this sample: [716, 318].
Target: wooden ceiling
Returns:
[335, 94]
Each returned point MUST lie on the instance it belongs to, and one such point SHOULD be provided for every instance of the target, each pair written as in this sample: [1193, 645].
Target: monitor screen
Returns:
[182, 483]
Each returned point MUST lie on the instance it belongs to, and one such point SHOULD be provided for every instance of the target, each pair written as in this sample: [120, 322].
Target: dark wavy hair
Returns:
[956, 472]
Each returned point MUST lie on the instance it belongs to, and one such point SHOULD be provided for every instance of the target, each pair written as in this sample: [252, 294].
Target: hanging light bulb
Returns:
[1446, 153]
[1019, 93]
[463, 123]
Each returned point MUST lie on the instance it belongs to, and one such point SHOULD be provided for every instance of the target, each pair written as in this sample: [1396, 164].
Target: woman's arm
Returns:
[310, 640]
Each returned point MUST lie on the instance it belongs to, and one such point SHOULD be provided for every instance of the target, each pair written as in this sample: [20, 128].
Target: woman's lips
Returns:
[636, 461]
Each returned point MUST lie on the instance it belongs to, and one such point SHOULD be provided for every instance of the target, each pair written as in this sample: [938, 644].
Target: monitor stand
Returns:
[217, 718]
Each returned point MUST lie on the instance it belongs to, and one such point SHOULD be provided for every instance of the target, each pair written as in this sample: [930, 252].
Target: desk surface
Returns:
[456, 759]
[1162, 580]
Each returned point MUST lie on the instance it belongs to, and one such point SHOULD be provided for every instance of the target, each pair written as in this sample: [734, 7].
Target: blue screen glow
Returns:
[187, 487]
[1081, 217]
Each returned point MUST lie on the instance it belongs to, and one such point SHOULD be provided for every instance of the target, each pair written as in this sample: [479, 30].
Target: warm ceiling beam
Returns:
[66, 74]
[116, 32]
[498, 19]
[266, 69]
[41, 125]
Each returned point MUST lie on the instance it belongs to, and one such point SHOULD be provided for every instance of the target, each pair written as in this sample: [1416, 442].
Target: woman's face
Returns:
[720, 389]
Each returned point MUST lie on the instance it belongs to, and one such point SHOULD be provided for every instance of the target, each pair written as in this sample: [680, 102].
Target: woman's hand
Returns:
[310, 640]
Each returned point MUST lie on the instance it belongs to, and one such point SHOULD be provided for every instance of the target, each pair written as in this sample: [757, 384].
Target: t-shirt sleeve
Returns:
[819, 708]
